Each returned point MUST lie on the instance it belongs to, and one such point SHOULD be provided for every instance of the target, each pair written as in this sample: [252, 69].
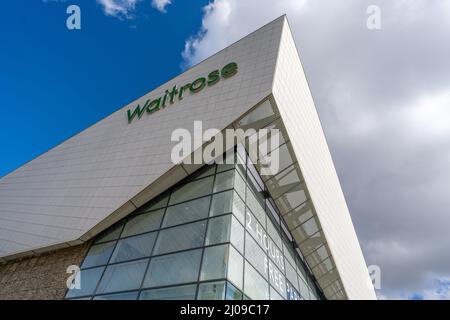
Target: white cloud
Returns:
[161, 4]
[383, 98]
[119, 8]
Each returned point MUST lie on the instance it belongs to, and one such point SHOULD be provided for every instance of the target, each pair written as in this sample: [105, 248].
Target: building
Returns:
[112, 201]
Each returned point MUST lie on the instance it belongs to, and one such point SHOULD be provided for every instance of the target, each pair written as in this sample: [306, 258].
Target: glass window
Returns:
[239, 185]
[110, 234]
[256, 205]
[211, 291]
[304, 290]
[239, 208]
[123, 276]
[98, 254]
[237, 235]
[218, 230]
[173, 268]
[172, 293]
[119, 296]
[291, 275]
[274, 295]
[284, 181]
[255, 287]
[272, 230]
[282, 154]
[221, 203]
[276, 278]
[292, 293]
[203, 172]
[214, 265]
[292, 199]
[186, 212]
[235, 267]
[233, 293]
[224, 181]
[191, 190]
[143, 223]
[88, 282]
[255, 255]
[180, 238]
[158, 203]
[299, 215]
[259, 117]
[134, 247]
[229, 161]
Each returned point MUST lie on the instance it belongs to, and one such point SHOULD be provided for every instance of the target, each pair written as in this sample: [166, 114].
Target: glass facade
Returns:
[215, 235]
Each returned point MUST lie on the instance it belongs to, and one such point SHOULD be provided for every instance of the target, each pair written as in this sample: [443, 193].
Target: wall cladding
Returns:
[40, 277]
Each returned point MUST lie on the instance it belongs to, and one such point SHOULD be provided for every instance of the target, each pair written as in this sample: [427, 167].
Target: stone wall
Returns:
[39, 277]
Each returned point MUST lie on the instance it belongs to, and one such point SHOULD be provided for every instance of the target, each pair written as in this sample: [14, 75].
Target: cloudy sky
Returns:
[383, 96]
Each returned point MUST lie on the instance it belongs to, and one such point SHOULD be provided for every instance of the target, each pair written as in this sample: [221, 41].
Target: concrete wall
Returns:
[42, 277]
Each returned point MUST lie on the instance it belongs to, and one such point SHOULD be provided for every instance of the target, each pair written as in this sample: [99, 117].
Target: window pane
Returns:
[173, 269]
[233, 293]
[203, 172]
[274, 295]
[224, 181]
[211, 291]
[119, 296]
[110, 234]
[239, 208]
[187, 211]
[158, 203]
[173, 293]
[221, 203]
[143, 223]
[235, 267]
[124, 276]
[239, 185]
[194, 189]
[292, 293]
[304, 292]
[255, 287]
[277, 279]
[98, 254]
[284, 181]
[134, 247]
[214, 264]
[237, 235]
[259, 117]
[292, 199]
[291, 275]
[218, 230]
[180, 238]
[88, 281]
[228, 161]
[256, 205]
[255, 255]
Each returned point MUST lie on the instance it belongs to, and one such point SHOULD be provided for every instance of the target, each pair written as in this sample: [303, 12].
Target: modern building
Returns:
[112, 201]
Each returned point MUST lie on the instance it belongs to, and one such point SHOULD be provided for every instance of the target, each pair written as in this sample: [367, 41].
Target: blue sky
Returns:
[55, 82]
[382, 96]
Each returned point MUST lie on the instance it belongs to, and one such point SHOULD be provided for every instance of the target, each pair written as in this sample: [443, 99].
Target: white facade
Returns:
[77, 189]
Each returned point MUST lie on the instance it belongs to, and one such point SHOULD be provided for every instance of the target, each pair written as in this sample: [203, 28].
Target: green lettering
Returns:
[213, 77]
[229, 70]
[154, 105]
[182, 89]
[198, 85]
[137, 111]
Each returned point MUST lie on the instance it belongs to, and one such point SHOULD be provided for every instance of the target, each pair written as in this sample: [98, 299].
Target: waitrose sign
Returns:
[174, 94]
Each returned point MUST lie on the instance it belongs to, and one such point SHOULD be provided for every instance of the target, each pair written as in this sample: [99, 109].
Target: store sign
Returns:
[176, 94]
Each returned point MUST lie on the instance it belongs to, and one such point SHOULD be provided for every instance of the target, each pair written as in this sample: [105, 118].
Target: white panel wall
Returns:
[296, 106]
[64, 193]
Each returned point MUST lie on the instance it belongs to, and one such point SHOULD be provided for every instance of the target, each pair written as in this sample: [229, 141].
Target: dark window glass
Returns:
[174, 268]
